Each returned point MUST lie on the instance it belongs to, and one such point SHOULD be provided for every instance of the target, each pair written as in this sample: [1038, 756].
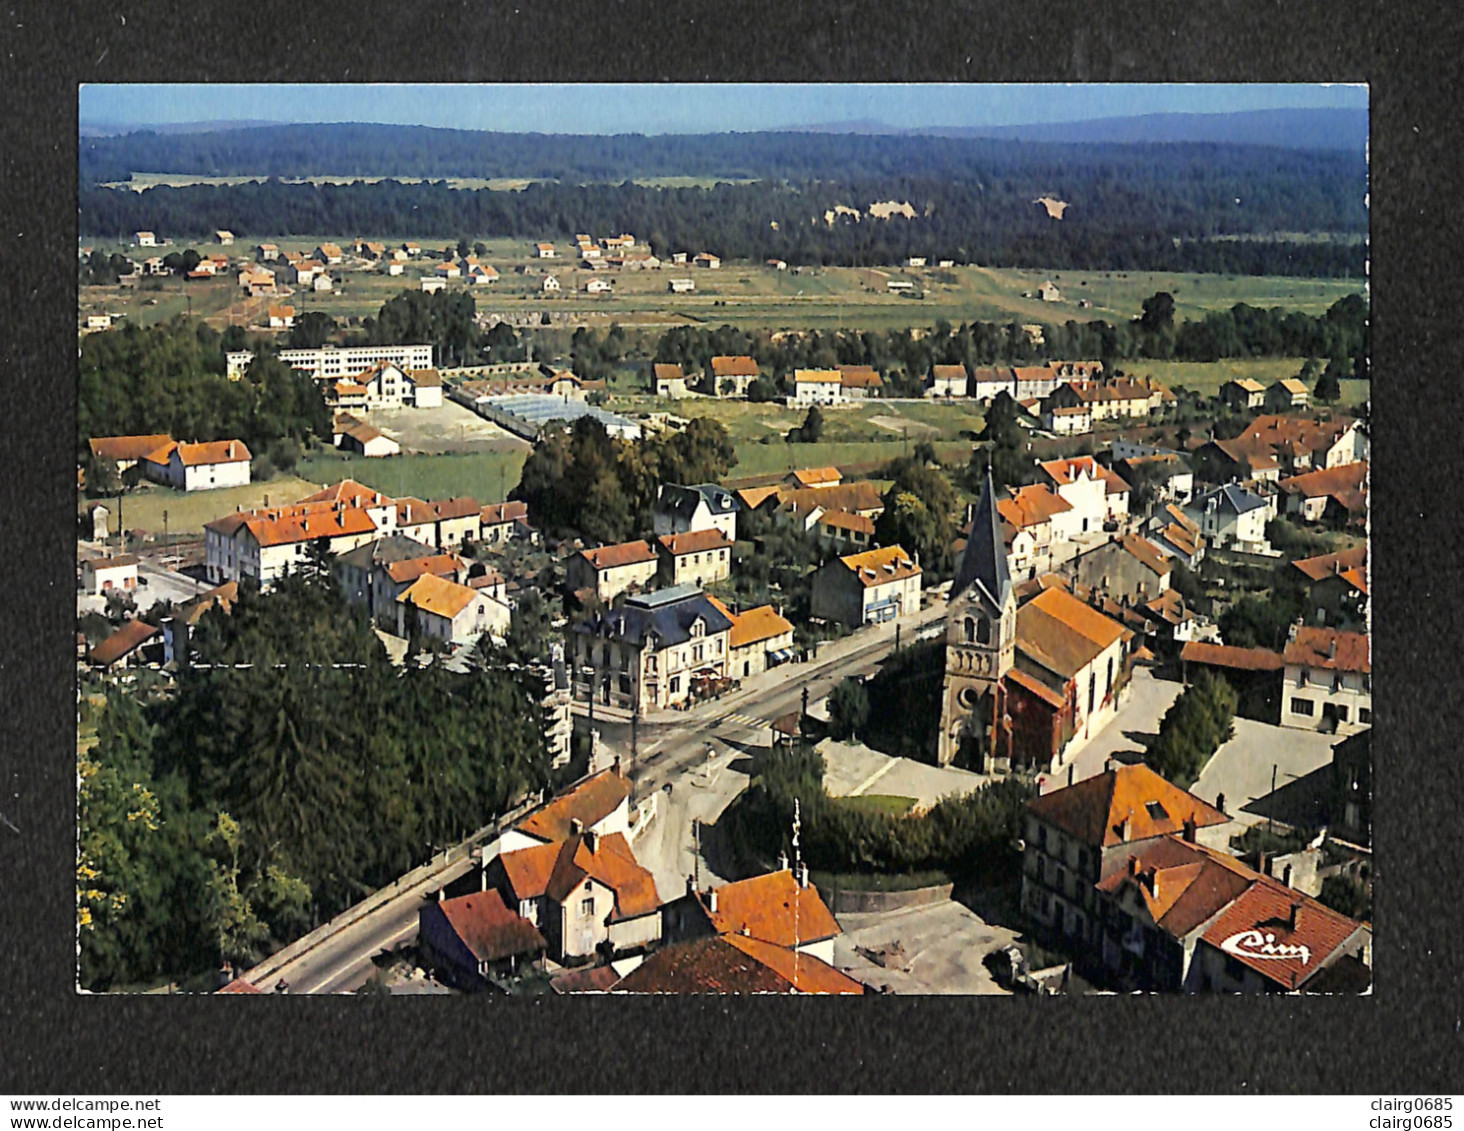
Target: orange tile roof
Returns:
[1065, 471]
[488, 928]
[756, 625]
[817, 476]
[350, 492]
[215, 451]
[349, 389]
[436, 595]
[589, 802]
[859, 495]
[1034, 685]
[1357, 578]
[425, 378]
[611, 863]
[695, 542]
[322, 522]
[528, 869]
[1113, 482]
[1062, 633]
[411, 569]
[127, 447]
[1229, 656]
[880, 567]
[1324, 565]
[817, 377]
[1094, 810]
[843, 520]
[739, 365]
[665, 372]
[1182, 885]
[1329, 649]
[620, 554]
[948, 372]
[1148, 553]
[223, 596]
[754, 497]
[1185, 541]
[1032, 506]
[1258, 930]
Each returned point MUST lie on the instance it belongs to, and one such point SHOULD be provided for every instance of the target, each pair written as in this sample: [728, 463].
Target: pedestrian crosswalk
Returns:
[746, 720]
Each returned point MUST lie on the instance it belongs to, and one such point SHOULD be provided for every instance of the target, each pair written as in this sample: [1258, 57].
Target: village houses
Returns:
[681, 510]
[699, 558]
[199, 467]
[1327, 681]
[868, 588]
[607, 571]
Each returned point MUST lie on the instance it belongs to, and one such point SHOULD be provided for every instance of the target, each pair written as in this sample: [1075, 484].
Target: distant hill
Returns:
[1288, 129]
[117, 129]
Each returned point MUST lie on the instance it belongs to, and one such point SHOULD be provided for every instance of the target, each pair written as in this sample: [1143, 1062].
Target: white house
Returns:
[146, 239]
[550, 284]
[817, 386]
[200, 467]
[1231, 517]
[281, 317]
[431, 284]
[450, 612]
[103, 575]
[1327, 681]
[947, 381]
[868, 588]
[707, 506]
[545, 250]
[597, 286]
[708, 260]
[680, 286]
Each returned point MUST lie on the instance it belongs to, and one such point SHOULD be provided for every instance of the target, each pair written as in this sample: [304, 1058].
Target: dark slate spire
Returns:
[985, 560]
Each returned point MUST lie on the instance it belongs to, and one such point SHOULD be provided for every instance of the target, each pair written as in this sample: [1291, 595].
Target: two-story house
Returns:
[1230, 517]
[607, 571]
[1327, 680]
[706, 506]
[698, 558]
[868, 588]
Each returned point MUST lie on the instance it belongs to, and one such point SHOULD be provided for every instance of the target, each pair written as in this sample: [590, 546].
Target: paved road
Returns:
[1149, 699]
[674, 751]
[1242, 768]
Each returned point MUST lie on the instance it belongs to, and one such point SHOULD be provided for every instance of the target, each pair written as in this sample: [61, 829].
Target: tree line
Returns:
[170, 378]
[581, 479]
[225, 817]
[1131, 207]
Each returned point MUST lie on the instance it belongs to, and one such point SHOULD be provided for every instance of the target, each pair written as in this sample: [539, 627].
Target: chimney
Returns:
[615, 765]
[690, 885]
[1133, 865]
[1264, 864]
[576, 826]
[1332, 649]
[782, 861]
[712, 900]
[590, 839]
[803, 875]
[1125, 826]
[1220, 802]
[1286, 879]
[1110, 764]
[1189, 829]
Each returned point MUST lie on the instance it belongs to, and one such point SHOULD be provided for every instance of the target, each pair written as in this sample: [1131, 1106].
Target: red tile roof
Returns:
[843, 520]
[131, 636]
[488, 928]
[734, 964]
[668, 372]
[127, 447]
[695, 542]
[1062, 633]
[1228, 656]
[1280, 933]
[1032, 506]
[1148, 553]
[436, 595]
[882, 566]
[1036, 687]
[411, 569]
[733, 366]
[859, 377]
[816, 477]
[326, 522]
[1182, 885]
[589, 802]
[350, 492]
[1331, 481]
[496, 514]
[621, 554]
[1065, 471]
[1324, 565]
[215, 451]
[1094, 810]
[1329, 649]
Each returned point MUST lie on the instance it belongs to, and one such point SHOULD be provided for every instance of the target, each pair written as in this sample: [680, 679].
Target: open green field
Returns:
[874, 420]
[768, 459]
[189, 511]
[486, 476]
[1207, 376]
[753, 295]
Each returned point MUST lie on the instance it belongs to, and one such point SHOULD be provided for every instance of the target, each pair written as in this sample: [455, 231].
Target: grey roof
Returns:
[538, 408]
[984, 562]
[668, 613]
[393, 548]
[1232, 496]
[683, 501]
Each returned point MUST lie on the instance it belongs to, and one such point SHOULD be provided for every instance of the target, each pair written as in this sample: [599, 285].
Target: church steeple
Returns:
[984, 560]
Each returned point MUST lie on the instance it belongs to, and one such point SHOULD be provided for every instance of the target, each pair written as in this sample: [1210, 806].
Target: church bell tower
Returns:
[981, 628]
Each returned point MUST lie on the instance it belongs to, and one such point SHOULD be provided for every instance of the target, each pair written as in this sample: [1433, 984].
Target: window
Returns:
[675, 687]
[1303, 677]
[983, 631]
[1092, 689]
[970, 631]
[1110, 673]
[1341, 713]
[587, 906]
[1302, 707]
[1364, 715]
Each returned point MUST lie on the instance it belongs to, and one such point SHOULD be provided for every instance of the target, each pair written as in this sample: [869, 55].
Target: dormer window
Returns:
[698, 627]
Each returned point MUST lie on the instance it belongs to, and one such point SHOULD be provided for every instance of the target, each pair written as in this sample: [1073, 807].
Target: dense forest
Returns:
[228, 817]
[1130, 207]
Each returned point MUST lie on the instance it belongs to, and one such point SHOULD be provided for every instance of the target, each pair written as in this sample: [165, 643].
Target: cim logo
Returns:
[1256, 944]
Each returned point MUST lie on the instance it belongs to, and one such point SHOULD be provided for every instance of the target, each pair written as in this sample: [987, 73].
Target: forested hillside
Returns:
[1130, 207]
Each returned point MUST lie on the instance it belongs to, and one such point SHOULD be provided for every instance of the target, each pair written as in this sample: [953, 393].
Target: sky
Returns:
[684, 108]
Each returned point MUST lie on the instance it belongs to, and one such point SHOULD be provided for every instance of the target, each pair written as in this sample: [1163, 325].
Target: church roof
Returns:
[984, 559]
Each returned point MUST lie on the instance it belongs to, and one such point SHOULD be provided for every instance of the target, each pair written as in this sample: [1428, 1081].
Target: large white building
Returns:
[200, 467]
[334, 362]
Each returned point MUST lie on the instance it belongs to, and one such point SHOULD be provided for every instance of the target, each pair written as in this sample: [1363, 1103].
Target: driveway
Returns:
[854, 770]
[935, 949]
[1242, 770]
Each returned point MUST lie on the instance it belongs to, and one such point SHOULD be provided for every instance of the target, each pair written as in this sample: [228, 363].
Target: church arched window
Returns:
[970, 631]
[983, 631]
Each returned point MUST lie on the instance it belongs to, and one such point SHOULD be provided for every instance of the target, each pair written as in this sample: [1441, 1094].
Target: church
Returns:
[1022, 684]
